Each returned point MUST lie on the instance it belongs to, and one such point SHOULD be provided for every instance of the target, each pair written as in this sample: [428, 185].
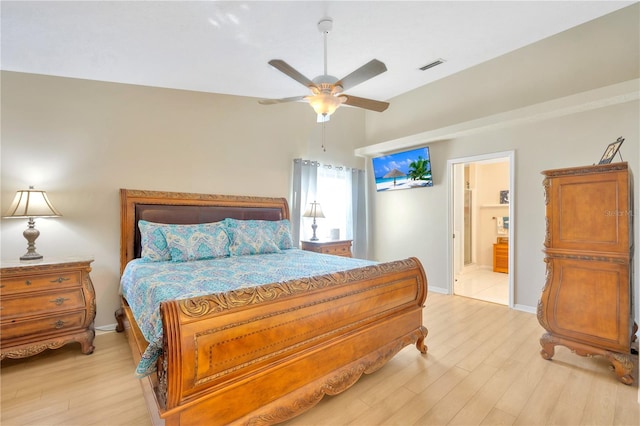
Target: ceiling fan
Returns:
[327, 91]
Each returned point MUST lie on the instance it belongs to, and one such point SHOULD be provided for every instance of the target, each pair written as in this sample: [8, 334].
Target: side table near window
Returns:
[46, 304]
[335, 247]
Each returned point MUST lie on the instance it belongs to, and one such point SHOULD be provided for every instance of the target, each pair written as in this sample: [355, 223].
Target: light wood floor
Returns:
[483, 367]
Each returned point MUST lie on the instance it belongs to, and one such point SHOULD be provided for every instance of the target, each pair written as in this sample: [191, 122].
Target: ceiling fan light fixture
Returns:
[324, 103]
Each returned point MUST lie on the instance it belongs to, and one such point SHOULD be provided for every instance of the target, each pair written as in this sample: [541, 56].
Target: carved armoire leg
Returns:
[623, 365]
[119, 314]
[548, 346]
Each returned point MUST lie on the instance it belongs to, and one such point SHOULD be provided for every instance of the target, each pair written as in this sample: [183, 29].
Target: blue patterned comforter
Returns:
[145, 284]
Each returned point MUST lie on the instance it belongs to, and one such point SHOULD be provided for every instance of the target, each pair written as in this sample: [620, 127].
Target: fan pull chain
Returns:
[323, 136]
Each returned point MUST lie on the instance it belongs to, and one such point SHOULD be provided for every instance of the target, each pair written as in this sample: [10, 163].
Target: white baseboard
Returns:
[106, 328]
[525, 308]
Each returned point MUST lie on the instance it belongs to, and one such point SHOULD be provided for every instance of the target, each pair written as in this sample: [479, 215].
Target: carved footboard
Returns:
[265, 354]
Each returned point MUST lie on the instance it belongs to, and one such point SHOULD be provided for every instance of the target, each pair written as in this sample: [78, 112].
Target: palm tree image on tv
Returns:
[420, 169]
[403, 170]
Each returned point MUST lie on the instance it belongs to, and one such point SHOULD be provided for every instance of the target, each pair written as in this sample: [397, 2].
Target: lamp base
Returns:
[314, 227]
[31, 233]
[31, 256]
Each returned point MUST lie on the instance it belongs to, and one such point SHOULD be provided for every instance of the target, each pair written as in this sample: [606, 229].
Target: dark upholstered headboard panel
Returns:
[187, 208]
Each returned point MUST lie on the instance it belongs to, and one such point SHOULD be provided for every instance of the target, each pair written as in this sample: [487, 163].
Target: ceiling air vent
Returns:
[432, 64]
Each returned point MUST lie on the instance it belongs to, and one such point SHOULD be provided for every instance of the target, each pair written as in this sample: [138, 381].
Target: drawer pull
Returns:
[59, 280]
[28, 282]
[58, 324]
[59, 301]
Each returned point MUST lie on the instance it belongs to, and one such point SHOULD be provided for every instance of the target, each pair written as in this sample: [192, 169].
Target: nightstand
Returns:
[45, 304]
[335, 247]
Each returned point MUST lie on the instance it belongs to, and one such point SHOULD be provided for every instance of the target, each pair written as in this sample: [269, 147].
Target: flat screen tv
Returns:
[403, 170]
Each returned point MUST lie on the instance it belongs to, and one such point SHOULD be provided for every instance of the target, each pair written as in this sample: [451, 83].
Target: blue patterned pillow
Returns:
[251, 240]
[281, 229]
[154, 245]
[196, 242]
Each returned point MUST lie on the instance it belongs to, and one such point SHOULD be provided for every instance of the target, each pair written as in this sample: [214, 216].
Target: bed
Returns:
[266, 353]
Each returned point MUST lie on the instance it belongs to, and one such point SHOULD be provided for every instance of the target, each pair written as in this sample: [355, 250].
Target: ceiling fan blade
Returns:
[365, 103]
[287, 69]
[364, 73]
[280, 101]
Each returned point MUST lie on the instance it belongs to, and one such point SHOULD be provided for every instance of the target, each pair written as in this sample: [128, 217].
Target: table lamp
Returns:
[31, 203]
[314, 210]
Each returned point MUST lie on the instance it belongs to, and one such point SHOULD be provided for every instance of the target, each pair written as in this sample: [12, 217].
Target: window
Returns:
[340, 192]
[334, 195]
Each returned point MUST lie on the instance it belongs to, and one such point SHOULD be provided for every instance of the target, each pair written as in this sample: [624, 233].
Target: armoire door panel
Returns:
[589, 213]
[589, 206]
[586, 301]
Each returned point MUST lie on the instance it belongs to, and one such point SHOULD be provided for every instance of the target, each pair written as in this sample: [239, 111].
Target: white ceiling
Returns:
[224, 46]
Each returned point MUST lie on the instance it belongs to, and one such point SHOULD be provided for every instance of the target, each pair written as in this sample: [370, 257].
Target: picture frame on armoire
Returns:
[611, 151]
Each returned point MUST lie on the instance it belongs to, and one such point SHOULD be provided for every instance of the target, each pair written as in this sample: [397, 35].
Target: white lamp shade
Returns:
[31, 203]
[313, 210]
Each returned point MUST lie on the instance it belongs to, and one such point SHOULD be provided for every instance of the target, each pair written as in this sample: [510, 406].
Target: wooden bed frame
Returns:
[265, 354]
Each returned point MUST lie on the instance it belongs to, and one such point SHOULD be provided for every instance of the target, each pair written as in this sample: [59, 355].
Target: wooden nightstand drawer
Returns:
[338, 250]
[12, 285]
[44, 325]
[41, 303]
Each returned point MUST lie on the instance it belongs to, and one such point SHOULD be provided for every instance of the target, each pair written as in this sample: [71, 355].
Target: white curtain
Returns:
[305, 175]
[359, 213]
[341, 194]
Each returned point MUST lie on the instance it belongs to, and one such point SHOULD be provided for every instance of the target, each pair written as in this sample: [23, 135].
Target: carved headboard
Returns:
[187, 208]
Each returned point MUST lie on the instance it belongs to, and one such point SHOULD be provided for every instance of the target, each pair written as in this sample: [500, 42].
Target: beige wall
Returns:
[414, 222]
[83, 140]
[522, 87]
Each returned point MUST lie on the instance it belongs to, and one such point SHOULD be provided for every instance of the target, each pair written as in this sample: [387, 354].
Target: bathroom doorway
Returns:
[481, 222]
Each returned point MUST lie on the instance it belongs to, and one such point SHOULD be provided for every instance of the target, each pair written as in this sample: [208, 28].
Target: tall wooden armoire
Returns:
[586, 303]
